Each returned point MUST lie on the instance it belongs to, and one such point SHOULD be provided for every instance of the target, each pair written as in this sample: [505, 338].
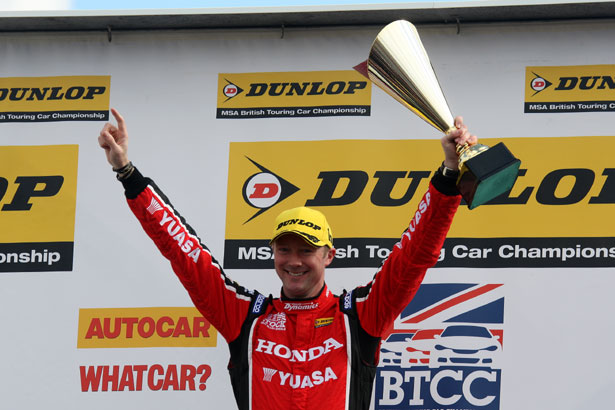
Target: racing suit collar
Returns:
[324, 298]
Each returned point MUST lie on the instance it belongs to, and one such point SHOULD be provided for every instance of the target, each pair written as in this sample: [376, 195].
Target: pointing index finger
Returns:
[120, 120]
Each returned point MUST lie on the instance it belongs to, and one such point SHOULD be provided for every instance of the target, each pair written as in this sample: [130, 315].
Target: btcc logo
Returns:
[464, 382]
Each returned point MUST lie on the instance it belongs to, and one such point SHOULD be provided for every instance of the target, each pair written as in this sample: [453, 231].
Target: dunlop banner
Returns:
[293, 94]
[38, 188]
[583, 88]
[559, 213]
[144, 327]
[45, 99]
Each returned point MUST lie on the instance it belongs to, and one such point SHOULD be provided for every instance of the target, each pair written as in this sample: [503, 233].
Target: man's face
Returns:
[300, 266]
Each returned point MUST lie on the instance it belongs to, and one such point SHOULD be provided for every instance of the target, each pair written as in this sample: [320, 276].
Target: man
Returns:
[307, 349]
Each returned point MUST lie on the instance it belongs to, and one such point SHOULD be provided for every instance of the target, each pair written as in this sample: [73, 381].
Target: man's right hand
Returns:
[114, 140]
[459, 136]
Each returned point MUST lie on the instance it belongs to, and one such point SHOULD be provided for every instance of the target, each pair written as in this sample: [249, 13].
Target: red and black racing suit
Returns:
[310, 354]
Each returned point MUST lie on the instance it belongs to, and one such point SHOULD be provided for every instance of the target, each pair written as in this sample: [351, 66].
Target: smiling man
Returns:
[307, 349]
[302, 249]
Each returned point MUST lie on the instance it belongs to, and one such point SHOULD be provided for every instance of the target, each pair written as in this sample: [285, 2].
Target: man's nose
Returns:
[295, 259]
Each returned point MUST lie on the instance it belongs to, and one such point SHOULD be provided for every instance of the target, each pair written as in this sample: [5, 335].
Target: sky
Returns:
[29, 5]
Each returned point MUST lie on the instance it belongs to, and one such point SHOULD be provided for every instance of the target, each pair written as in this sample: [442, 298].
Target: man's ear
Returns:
[329, 255]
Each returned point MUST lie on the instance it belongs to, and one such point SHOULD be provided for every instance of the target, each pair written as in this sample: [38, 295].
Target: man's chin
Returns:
[295, 292]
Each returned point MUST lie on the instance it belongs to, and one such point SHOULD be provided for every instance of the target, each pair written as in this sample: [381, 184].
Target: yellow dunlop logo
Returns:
[370, 196]
[588, 88]
[323, 321]
[144, 327]
[293, 94]
[38, 189]
[64, 98]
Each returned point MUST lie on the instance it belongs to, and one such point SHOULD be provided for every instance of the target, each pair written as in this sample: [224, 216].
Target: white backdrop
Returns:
[558, 322]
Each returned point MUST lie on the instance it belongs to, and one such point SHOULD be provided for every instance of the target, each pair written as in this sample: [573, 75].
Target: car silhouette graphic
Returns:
[419, 347]
[466, 345]
[393, 348]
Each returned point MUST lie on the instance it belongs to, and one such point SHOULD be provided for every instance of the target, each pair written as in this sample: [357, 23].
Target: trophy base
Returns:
[487, 175]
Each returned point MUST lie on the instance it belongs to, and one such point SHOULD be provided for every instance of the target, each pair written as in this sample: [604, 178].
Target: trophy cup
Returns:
[398, 63]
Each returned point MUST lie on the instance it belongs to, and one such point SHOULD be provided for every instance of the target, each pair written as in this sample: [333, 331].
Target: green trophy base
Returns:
[487, 175]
